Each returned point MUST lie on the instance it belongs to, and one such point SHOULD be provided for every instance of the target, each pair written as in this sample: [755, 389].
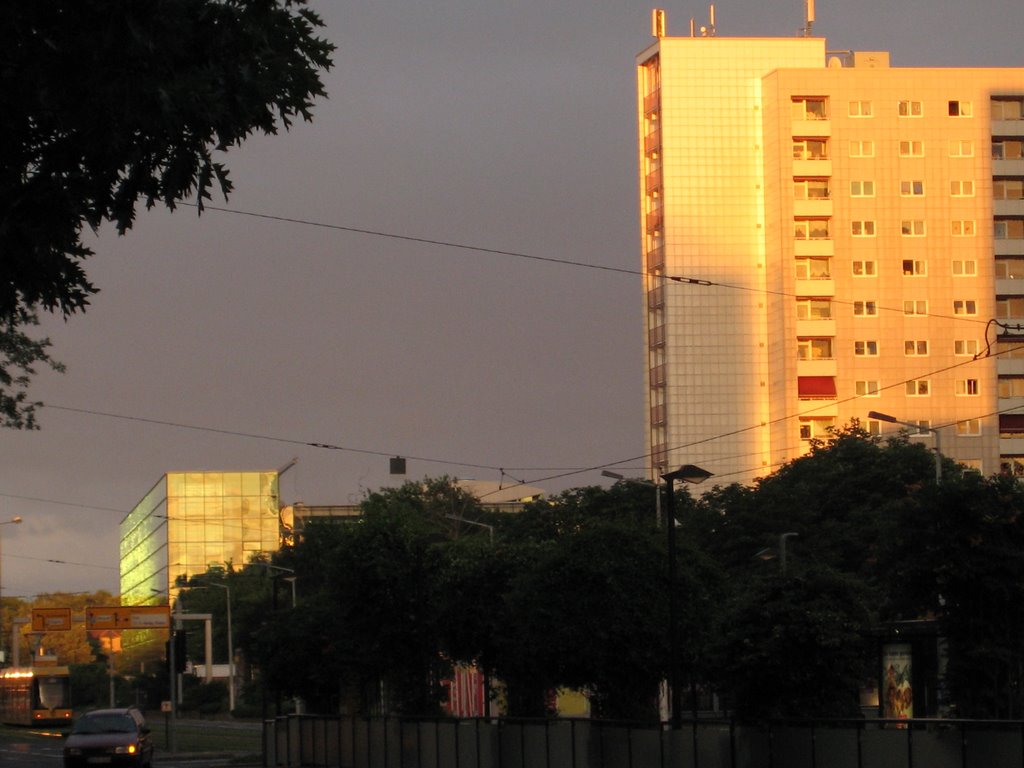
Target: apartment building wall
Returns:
[844, 212]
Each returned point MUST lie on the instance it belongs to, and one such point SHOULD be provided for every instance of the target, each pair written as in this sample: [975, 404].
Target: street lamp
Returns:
[938, 437]
[693, 475]
[3, 658]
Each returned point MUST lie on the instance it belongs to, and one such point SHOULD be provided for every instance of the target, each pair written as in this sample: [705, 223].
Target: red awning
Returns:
[1011, 423]
[816, 386]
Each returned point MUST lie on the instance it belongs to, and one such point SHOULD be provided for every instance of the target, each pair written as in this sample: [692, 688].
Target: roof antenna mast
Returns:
[808, 17]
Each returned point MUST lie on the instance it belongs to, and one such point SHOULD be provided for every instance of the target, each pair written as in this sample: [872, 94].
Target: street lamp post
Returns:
[693, 475]
[3, 658]
[938, 438]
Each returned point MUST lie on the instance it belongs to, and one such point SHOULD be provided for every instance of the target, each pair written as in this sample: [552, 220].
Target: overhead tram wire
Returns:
[678, 279]
[502, 470]
[782, 419]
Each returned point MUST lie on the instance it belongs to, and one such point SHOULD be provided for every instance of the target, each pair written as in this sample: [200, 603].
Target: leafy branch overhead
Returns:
[104, 103]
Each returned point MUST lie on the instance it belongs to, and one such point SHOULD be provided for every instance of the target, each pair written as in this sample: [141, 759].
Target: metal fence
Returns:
[392, 742]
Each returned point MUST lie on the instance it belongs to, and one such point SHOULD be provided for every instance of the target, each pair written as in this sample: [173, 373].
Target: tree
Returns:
[104, 103]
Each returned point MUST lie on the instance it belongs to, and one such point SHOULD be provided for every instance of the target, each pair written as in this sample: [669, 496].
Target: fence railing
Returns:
[393, 742]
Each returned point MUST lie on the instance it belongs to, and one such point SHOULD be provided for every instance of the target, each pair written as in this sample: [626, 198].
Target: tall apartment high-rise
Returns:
[823, 236]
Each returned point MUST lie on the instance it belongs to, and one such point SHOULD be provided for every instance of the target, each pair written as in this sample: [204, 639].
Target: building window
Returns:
[911, 149]
[965, 307]
[918, 388]
[960, 109]
[965, 268]
[810, 229]
[1007, 149]
[1010, 348]
[912, 228]
[813, 309]
[915, 267]
[918, 308]
[862, 228]
[862, 189]
[965, 347]
[866, 388]
[961, 188]
[865, 348]
[860, 109]
[874, 427]
[909, 109]
[810, 189]
[1011, 386]
[1008, 229]
[810, 149]
[967, 387]
[816, 429]
[1009, 306]
[913, 188]
[863, 148]
[915, 347]
[809, 108]
[1008, 108]
[813, 269]
[1009, 269]
[961, 148]
[962, 228]
[968, 428]
[865, 309]
[1008, 189]
[865, 268]
[814, 349]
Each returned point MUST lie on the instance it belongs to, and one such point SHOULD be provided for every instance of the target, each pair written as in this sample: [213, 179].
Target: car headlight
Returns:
[127, 749]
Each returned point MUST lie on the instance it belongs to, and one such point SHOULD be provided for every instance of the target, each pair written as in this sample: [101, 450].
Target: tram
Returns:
[35, 696]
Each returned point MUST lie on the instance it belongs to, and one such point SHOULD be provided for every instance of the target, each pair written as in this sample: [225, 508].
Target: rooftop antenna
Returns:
[693, 27]
[711, 18]
[657, 23]
[808, 17]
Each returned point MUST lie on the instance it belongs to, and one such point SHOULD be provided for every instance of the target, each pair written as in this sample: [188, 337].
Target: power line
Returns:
[679, 279]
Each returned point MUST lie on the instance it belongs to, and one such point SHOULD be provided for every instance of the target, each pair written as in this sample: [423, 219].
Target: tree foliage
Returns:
[105, 103]
[573, 591]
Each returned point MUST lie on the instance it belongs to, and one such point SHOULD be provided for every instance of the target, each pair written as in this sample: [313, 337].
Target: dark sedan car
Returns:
[109, 737]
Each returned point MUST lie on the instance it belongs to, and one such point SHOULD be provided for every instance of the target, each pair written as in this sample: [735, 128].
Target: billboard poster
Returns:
[897, 693]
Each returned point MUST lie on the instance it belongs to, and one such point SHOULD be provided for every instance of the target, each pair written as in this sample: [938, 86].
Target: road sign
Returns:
[51, 619]
[128, 617]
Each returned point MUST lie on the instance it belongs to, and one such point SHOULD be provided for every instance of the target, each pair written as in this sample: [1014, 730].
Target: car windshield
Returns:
[105, 724]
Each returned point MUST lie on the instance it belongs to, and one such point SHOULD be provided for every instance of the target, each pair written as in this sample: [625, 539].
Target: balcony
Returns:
[819, 247]
[1008, 127]
[819, 367]
[1010, 286]
[816, 287]
[816, 327]
[1008, 207]
[1009, 367]
[1009, 247]
[1011, 446]
[815, 127]
[821, 206]
[1008, 167]
[812, 166]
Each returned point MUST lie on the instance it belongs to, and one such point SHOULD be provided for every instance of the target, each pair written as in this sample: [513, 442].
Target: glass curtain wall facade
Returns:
[190, 521]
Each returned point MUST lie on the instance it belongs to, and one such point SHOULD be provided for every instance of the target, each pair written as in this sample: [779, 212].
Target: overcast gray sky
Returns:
[504, 125]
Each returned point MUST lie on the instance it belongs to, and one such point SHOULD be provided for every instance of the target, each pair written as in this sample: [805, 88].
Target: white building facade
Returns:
[824, 235]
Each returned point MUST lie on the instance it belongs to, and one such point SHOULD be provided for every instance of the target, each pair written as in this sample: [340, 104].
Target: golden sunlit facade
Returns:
[825, 235]
[190, 521]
